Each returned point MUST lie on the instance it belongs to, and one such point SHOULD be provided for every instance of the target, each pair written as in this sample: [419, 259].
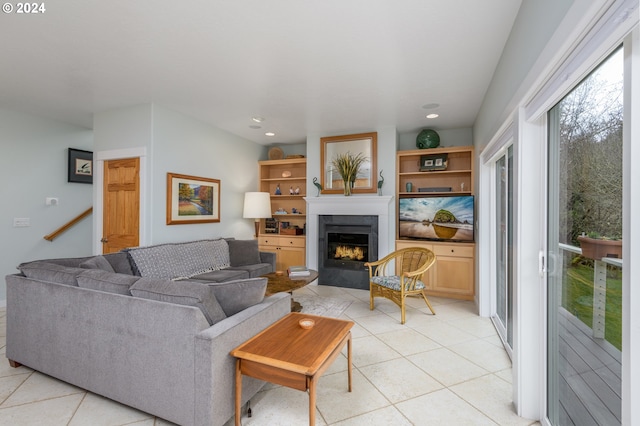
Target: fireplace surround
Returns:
[373, 205]
[345, 244]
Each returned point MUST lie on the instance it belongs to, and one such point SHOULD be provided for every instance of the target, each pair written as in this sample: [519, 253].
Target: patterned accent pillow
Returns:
[180, 260]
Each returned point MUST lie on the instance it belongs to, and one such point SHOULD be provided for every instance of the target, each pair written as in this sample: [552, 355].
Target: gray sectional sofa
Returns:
[154, 338]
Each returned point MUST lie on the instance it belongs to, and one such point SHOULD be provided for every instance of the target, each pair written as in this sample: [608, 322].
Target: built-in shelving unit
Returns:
[288, 174]
[453, 275]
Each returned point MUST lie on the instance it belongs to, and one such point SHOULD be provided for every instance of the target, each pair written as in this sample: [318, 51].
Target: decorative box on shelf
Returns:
[291, 231]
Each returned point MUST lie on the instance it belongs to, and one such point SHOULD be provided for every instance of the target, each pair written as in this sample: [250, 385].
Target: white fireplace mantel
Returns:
[375, 205]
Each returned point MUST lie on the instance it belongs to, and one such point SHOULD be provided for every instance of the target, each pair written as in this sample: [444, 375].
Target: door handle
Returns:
[104, 240]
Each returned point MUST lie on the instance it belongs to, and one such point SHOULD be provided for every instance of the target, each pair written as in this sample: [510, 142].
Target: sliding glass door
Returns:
[504, 247]
[584, 287]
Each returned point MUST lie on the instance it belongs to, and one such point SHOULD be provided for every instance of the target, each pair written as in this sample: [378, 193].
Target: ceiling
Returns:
[307, 67]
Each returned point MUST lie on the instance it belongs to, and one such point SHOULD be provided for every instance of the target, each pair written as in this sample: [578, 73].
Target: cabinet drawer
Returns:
[281, 241]
[291, 242]
[268, 241]
[453, 250]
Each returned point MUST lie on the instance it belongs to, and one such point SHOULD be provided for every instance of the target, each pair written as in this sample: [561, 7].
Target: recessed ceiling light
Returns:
[270, 134]
[430, 106]
[255, 126]
[433, 115]
[257, 119]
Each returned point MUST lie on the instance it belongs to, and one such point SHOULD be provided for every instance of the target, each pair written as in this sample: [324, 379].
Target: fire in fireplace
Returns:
[348, 246]
[349, 253]
[346, 243]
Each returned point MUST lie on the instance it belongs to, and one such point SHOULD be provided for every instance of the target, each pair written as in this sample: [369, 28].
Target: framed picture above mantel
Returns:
[192, 199]
[363, 145]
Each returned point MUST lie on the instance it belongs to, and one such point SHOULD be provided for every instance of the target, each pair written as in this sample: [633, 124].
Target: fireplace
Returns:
[346, 242]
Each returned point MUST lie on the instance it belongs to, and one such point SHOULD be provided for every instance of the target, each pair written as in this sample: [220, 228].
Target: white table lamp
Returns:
[257, 205]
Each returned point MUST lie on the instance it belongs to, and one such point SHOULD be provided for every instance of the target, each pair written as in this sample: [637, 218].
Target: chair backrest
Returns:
[414, 259]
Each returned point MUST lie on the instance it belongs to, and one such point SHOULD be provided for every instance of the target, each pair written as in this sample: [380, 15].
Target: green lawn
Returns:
[578, 299]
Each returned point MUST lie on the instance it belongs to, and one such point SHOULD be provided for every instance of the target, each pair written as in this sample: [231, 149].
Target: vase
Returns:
[347, 187]
[409, 187]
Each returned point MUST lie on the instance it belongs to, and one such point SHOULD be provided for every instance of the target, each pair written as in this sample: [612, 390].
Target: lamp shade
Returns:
[257, 205]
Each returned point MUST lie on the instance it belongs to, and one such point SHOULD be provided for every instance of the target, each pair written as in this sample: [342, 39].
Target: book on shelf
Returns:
[298, 271]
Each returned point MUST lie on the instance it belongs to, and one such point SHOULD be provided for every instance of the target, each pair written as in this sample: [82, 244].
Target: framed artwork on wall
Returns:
[80, 166]
[363, 145]
[192, 199]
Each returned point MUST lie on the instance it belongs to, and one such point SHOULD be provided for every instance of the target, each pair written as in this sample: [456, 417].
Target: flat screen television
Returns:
[437, 218]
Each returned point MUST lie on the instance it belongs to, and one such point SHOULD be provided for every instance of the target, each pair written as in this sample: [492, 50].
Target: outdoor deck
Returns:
[590, 371]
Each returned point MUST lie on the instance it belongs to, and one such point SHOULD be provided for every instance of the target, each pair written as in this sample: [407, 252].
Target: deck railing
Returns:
[599, 288]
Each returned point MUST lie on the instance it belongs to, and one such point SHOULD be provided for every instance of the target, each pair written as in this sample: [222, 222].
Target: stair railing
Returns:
[68, 225]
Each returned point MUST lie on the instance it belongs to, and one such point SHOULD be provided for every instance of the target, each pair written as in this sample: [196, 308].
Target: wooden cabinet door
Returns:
[453, 275]
[289, 251]
[289, 256]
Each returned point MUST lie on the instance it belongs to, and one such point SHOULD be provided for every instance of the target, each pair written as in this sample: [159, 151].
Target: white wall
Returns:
[176, 143]
[448, 138]
[33, 166]
[520, 64]
[187, 146]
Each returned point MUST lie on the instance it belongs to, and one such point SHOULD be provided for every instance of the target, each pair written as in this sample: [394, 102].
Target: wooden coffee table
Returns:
[288, 355]
[284, 283]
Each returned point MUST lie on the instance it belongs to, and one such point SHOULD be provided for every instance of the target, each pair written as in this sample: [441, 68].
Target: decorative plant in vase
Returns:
[348, 165]
[594, 246]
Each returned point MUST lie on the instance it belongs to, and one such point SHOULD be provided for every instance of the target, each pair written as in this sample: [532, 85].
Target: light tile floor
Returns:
[447, 369]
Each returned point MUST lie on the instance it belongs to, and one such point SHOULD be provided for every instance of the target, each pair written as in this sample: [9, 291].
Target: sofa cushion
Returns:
[181, 293]
[222, 275]
[51, 272]
[243, 252]
[235, 296]
[254, 270]
[97, 262]
[180, 260]
[109, 282]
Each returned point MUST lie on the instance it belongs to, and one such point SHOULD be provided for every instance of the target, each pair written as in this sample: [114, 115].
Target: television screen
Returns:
[437, 218]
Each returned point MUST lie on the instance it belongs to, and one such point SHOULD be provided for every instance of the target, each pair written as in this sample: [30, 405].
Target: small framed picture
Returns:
[435, 162]
[80, 166]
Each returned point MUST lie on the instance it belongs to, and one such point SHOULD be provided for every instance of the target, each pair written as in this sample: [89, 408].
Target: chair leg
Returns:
[370, 298]
[428, 303]
[402, 312]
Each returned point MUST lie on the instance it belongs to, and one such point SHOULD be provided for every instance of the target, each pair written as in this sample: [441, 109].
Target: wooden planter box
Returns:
[596, 249]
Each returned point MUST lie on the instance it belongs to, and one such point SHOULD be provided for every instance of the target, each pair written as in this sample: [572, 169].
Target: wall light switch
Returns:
[20, 222]
[51, 201]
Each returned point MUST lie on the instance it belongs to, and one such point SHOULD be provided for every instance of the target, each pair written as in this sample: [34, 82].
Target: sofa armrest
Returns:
[215, 367]
[268, 257]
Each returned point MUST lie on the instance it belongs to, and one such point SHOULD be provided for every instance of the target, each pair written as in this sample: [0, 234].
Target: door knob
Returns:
[104, 240]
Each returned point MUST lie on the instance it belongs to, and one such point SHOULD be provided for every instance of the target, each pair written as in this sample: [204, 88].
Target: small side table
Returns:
[298, 359]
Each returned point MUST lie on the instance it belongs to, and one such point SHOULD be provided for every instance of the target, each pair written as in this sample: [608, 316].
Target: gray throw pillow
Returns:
[97, 262]
[120, 262]
[180, 293]
[243, 252]
[235, 296]
[109, 282]
[51, 272]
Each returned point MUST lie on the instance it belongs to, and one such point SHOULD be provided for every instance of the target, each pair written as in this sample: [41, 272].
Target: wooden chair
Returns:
[410, 264]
